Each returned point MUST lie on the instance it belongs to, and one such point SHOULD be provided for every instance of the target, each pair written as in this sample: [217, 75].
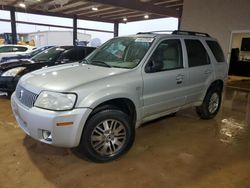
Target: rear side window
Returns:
[20, 49]
[88, 50]
[216, 50]
[71, 55]
[197, 54]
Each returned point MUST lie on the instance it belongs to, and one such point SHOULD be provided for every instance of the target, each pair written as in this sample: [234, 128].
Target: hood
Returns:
[66, 77]
[15, 63]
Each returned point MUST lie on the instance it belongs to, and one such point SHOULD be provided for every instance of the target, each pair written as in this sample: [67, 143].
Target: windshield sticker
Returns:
[144, 39]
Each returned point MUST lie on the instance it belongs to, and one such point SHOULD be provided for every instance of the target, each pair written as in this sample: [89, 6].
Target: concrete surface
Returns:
[180, 151]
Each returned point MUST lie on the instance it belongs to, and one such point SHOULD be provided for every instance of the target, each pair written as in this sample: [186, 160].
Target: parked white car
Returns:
[13, 50]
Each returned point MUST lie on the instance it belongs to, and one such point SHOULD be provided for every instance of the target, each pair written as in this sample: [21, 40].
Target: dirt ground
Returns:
[181, 151]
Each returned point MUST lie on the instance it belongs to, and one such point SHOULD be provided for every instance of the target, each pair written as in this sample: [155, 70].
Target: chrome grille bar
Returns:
[26, 97]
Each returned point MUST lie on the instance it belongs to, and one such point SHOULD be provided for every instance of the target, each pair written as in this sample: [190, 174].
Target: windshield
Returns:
[48, 55]
[122, 52]
[38, 50]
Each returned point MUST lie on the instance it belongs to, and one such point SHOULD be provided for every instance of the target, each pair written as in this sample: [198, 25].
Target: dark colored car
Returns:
[25, 56]
[10, 72]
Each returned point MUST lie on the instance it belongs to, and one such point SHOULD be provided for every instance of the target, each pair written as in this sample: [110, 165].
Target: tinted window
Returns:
[216, 50]
[48, 55]
[197, 54]
[6, 49]
[88, 50]
[71, 55]
[20, 49]
[167, 56]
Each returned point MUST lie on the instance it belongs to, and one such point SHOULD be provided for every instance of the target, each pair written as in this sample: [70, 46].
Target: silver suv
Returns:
[96, 104]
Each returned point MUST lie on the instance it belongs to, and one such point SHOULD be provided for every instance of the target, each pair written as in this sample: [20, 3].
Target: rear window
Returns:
[216, 50]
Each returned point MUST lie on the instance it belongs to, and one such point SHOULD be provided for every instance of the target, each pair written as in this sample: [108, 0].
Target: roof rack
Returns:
[154, 32]
[181, 32]
[163, 31]
[144, 33]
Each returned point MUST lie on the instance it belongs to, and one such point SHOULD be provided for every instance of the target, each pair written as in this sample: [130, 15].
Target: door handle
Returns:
[179, 78]
[208, 71]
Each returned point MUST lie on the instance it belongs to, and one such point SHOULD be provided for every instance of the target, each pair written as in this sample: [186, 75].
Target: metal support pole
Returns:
[179, 18]
[116, 29]
[75, 30]
[179, 23]
[13, 25]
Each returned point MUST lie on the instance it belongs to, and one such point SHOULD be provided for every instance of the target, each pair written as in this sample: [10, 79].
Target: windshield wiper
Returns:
[101, 63]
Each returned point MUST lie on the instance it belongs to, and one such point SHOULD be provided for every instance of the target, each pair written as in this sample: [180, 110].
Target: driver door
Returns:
[164, 79]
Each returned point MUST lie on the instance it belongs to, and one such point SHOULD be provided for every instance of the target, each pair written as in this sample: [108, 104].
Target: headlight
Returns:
[13, 72]
[55, 101]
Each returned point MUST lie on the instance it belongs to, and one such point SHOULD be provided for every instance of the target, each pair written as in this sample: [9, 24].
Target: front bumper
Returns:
[34, 120]
[8, 84]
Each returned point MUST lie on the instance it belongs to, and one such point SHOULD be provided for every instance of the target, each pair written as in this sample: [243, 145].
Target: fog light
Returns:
[47, 135]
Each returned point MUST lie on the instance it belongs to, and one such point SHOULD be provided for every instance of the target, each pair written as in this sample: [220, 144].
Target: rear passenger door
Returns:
[200, 71]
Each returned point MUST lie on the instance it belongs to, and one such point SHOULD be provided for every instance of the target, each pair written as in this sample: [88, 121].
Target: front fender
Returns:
[106, 94]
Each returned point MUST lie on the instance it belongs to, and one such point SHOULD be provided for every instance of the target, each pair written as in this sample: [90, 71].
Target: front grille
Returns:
[26, 97]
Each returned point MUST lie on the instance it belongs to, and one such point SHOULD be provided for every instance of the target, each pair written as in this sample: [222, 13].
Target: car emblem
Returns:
[21, 94]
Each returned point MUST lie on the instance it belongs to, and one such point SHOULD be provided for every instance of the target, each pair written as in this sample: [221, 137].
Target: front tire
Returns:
[107, 135]
[211, 104]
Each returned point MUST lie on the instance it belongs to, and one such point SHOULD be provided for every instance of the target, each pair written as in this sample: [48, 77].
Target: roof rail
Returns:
[163, 31]
[144, 33]
[181, 32]
[154, 32]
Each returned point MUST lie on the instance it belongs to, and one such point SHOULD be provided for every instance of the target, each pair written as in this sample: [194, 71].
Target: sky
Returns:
[124, 29]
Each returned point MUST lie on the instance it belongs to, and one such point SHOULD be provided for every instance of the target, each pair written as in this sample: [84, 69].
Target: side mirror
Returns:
[154, 66]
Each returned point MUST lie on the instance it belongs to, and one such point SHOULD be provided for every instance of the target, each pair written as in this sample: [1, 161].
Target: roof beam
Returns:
[109, 12]
[121, 14]
[39, 12]
[166, 2]
[91, 12]
[41, 2]
[14, 3]
[79, 7]
[137, 5]
[72, 4]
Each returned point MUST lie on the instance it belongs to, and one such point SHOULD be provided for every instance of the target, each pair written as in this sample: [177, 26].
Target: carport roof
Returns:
[113, 11]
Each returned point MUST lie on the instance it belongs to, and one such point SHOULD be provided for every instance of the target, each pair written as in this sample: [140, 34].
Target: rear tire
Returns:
[211, 104]
[107, 135]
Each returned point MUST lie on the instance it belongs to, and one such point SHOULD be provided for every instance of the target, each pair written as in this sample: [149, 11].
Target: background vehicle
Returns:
[10, 72]
[130, 80]
[26, 55]
[13, 50]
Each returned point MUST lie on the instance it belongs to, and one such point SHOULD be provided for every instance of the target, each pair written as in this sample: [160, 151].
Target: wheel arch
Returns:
[217, 83]
[124, 104]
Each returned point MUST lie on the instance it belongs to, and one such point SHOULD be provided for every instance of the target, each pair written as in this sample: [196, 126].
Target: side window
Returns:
[88, 50]
[20, 49]
[75, 54]
[197, 54]
[167, 56]
[216, 50]
[68, 56]
[6, 49]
